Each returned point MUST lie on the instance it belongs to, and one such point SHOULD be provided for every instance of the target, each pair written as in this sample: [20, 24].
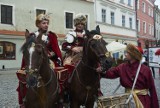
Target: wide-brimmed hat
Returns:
[80, 18]
[41, 17]
[134, 52]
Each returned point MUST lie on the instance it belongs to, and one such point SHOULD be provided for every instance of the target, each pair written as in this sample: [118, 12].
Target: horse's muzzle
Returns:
[105, 63]
[31, 80]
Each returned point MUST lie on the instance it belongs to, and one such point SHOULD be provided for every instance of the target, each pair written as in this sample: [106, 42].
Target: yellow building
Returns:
[18, 15]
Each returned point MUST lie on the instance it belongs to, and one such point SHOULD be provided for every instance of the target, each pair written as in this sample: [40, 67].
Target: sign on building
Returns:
[154, 56]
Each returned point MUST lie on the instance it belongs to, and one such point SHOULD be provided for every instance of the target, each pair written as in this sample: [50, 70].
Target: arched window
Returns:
[7, 50]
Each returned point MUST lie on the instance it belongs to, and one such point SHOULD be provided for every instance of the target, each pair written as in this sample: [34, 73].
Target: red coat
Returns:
[127, 73]
[53, 46]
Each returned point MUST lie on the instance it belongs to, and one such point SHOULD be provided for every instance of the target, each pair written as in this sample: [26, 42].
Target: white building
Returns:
[117, 20]
[157, 22]
[18, 15]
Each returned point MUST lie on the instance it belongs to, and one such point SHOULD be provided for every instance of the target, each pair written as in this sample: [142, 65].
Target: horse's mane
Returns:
[28, 43]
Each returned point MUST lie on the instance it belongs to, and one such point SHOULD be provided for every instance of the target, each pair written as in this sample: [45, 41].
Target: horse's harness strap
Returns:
[88, 65]
[49, 79]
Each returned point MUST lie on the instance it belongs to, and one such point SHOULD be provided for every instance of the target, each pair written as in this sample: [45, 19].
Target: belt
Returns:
[136, 92]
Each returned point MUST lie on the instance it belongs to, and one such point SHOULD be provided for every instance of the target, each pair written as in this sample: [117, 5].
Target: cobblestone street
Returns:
[8, 82]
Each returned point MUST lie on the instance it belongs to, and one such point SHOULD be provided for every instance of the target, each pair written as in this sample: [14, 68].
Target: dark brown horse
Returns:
[42, 84]
[85, 80]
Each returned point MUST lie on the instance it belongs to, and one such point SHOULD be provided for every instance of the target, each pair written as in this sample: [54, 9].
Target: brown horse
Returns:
[42, 84]
[85, 79]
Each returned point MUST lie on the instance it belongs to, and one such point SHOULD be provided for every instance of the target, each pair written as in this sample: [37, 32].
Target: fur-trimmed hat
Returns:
[40, 18]
[80, 18]
[134, 52]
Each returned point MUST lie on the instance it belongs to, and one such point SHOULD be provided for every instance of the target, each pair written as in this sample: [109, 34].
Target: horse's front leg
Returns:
[74, 104]
[90, 104]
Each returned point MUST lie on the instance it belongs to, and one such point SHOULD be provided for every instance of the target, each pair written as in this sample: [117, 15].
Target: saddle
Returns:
[62, 74]
[72, 58]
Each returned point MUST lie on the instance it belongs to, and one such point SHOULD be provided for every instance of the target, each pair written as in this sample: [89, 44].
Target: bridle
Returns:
[37, 70]
[39, 78]
[86, 46]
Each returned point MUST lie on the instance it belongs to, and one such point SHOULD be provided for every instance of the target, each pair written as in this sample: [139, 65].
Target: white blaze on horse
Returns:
[42, 84]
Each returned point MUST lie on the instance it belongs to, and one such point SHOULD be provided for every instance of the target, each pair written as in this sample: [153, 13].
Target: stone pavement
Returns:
[9, 82]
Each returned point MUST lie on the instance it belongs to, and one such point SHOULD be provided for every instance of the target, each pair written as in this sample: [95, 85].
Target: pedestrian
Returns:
[152, 68]
[54, 53]
[127, 72]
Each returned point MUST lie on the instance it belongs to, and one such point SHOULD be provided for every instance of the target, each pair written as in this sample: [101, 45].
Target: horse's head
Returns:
[34, 54]
[95, 49]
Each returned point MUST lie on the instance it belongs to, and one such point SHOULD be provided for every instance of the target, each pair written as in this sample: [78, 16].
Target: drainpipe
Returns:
[136, 20]
[154, 20]
[95, 11]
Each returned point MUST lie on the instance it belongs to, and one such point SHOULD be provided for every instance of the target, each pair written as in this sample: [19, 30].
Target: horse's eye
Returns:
[39, 53]
[94, 45]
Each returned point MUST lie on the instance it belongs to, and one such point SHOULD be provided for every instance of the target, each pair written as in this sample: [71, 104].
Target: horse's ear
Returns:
[87, 32]
[27, 34]
[98, 29]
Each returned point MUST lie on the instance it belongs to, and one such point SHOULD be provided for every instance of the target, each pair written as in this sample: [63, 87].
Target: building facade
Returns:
[157, 22]
[16, 16]
[145, 21]
[117, 20]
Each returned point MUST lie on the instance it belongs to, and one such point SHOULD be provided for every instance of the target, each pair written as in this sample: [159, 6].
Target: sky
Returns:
[157, 2]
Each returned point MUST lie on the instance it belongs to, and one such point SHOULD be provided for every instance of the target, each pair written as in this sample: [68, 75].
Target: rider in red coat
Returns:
[53, 50]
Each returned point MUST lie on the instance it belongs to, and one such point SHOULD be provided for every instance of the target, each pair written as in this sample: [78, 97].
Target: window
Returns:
[143, 7]
[40, 11]
[123, 21]
[149, 11]
[149, 29]
[6, 14]
[151, 14]
[137, 4]
[138, 25]
[121, 1]
[112, 18]
[152, 32]
[69, 20]
[129, 2]
[86, 26]
[7, 50]
[130, 23]
[144, 27]
[103, 15]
